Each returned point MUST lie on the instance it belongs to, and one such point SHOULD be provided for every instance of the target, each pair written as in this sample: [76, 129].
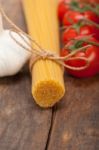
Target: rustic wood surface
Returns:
[23, 125]
[76, 119]
[73, 124]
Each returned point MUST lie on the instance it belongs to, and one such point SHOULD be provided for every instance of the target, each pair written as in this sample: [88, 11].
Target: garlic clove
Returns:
[12, 56]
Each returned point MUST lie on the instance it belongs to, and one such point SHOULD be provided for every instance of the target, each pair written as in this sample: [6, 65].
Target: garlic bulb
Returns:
[12, 56]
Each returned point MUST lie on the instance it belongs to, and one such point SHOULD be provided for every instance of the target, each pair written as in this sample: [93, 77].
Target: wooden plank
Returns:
[23, 125]
[76, 119]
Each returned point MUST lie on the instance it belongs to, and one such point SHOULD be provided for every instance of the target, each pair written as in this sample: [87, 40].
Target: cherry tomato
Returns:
[91, 39]
[87, 30]
[64, 52]
[68, 35]
[92, 54]
[72, 33]
[63, 8]
[90, 30]
[91, 16]
[72, 17]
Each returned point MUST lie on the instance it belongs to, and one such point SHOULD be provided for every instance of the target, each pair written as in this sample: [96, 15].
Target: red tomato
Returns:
[64, 52]
[92, 53]
[72, 33]
[91, 39]
[72, 17]
[63, 8]
[68, 35]
[91, 16]
[88, 30]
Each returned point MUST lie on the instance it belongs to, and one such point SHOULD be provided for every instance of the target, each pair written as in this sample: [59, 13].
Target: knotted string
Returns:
[39, 52]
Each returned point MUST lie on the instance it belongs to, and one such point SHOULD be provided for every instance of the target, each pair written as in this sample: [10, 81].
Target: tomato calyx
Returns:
[77, 26]
[90, 22]
[85, 13]
[95, 9]
[90, 64]
[83, 40]
[84, 60]
[67, 55]
[74, 5]
[79, 42]
[80, 37]
[75, 46]
[80, 24]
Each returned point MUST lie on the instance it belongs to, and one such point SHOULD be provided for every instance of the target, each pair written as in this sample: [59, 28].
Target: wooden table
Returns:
[73, 124]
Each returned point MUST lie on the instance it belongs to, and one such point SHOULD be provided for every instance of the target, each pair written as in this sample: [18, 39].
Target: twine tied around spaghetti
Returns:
[42, 54]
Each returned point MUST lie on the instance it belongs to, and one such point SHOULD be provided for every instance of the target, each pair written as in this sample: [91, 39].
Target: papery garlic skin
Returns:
[12, 56]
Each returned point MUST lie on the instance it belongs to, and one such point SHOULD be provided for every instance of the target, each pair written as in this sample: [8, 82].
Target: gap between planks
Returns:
[51, 126]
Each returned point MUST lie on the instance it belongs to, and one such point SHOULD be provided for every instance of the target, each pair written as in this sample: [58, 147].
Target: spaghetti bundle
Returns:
[47, 75]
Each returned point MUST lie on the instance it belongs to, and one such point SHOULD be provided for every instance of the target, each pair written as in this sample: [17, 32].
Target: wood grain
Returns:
[76, 118]
[73, 124]
[23, 125]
